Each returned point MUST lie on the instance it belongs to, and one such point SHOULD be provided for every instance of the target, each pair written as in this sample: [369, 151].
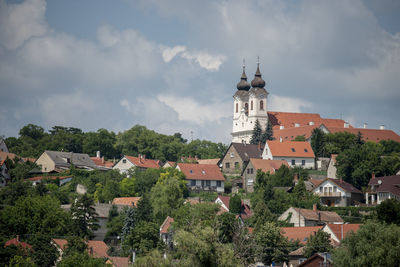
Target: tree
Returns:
[84, 216]
[318, 142]
[389, 211]
[144, 237]
[81, 260]
[270, 244]
[256, 138]
[374, 244]
[226, 222]
[300, 138]
[43, 252]
[320, 242]
[235, 204]
[144, 210]
[261, 215]
[268, 134]
[129, 222]
[33, 131]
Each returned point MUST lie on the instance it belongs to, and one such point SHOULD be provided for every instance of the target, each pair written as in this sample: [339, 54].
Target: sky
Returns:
[173, 65]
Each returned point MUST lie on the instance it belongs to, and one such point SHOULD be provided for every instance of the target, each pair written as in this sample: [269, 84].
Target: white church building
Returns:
[250, 104]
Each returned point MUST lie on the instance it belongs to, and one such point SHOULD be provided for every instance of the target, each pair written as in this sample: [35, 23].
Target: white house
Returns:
[382, 188]
[205, 177]
[127, 162]
[294, 152]
[331, 172]
[338, 193]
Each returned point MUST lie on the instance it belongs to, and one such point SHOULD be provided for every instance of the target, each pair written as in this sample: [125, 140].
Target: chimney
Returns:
[346, 125]
[311, 123]
[17, 238]
[314, 207]
[281, 127]
[365, 126]
[102, 160]
[373, 175]
[280, 139]
[98, 154]
[382, 127]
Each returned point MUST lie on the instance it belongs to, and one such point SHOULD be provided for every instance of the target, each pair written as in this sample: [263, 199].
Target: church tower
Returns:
[249, 105]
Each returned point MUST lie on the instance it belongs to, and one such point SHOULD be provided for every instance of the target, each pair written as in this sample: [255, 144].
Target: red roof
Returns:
[143, 162]
[267, 165]
[224, 200]
[101, 162]
[17, 242]
[119, 261]
[300, 233]
[166, 224]
[208, 161]
[291, 149]
[373, 135]
[201, 171]
[246, 211]
[99, 248]
[337, 229]
[387, 184]
[126, 201]
[288, 134]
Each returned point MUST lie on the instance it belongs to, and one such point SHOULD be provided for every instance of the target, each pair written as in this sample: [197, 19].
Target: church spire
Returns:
[258, 81]
[243, 84]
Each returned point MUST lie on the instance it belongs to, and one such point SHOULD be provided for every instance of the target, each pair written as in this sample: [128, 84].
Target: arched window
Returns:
[251, 105]
[237, 107]
[246, 107]
[261, 105]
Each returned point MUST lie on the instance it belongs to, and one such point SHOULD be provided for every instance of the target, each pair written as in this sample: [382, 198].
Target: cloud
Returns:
[19, 22]
[170, 52]
[287, 104]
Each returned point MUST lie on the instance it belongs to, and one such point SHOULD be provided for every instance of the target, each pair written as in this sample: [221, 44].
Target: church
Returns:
[250, 103]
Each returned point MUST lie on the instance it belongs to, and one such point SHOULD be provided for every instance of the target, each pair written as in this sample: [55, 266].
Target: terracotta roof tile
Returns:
[119, 261]
[300, 233]
[39, 178]
[373, 135]
[289, 134]
[99, 248]
[324, 216]
[126, 201]
[166, 224]
[291, 149]
[101, 162]
[143, 162]
[201, 171]
[337, 229]
[267, 165]
[344, 185]
[17, 242]
[208, 161]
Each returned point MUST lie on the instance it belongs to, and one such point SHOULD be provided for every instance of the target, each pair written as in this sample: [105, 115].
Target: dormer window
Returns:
[191, 171]
[305, 150]
[293, 150]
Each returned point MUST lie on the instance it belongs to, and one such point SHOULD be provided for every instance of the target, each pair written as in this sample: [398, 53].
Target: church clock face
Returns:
[262, 96]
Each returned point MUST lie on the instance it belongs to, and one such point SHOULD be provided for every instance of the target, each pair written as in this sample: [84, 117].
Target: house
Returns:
[38, 179]
[338, 193]
[317, 260]
[223, 201]
[205, 177]
[302, 234]
[382, 188]
[140, 162]
[3, 146]
[208, 161]
[56, 161]
[99, 161]
[165, 233]
[169, 164]
[249, 172]
[304, 217]
[4, 174]
[331, 172]
[340, 231]
[372, 135]
[118, 261]
[17, 242]
[126, 201]
[294, 152]
[237, 155]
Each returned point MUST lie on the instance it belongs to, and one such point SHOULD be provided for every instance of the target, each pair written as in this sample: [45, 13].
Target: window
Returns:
[193, 182]
[335, 189]
[227, 165]
[251, 170]
[261, 105]
[320, 189]
[303, 162]
[232, 154]
[236, 164]
[250, 182]
[293, 150]
[248, 171]
[208, 183]
[251, 105]
[68, 160]
[305, 150]
[124, 161]
[293, 162]
[203, 172]
[218, 183]
[237, 107]
[246, 107]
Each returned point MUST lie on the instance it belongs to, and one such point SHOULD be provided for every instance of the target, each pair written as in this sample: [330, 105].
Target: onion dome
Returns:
[243, 84]
[258, 81]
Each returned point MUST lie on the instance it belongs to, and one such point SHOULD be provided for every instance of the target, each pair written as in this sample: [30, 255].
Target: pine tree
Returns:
[268, 134]
[84, 216]
[256, 138]
[130, 222]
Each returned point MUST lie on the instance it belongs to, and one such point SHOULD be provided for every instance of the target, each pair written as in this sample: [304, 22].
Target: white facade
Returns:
[3, 146]
[331, 172]
[332, 195]
[292, 161]
[206, 185]
[123, 165]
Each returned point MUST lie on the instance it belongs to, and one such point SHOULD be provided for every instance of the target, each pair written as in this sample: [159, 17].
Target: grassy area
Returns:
[317, 172]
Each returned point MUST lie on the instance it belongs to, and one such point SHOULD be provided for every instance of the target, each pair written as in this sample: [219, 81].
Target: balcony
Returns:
[328, 194]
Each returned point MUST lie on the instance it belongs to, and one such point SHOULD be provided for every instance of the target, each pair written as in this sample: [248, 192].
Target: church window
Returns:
[246, 107]
[237, 107]
[261, 105]
[251, 105]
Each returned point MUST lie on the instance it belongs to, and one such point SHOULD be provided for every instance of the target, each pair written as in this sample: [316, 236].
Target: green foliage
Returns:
[374, 244]
[130, 222]
[203, 149]
[257, 135]
[318, 140]
[389, 211]
[270, 244]
[43, 253]
[144, 210]
[102, 141]
[226, 223]
[145, 180]
[81, 260]
[20, 261]
[261, 215]
[300, 138]
[127, 187]
[153, 259]
[84, 217]
[268, 134]
[144, 237]
[390, 146]
[235, 204]
[188, 216]
[320, 242]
